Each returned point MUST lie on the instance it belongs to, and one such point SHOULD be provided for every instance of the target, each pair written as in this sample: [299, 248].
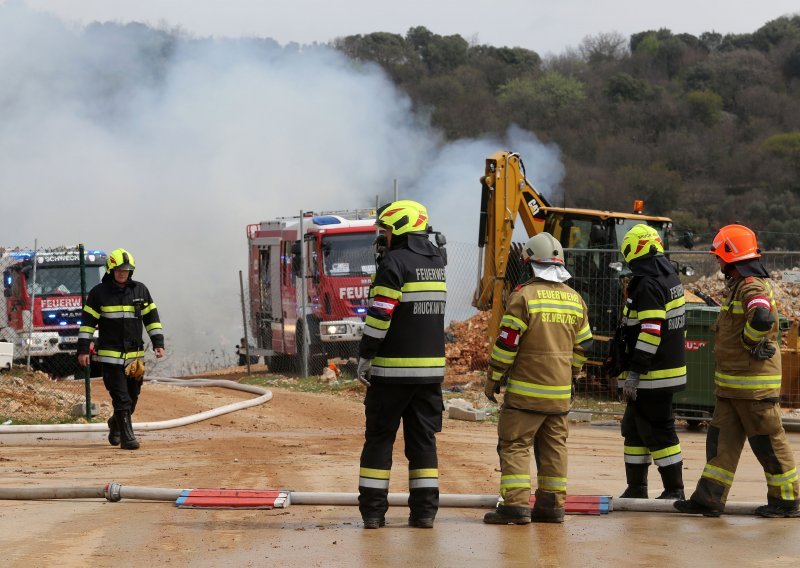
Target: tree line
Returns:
[705, 129]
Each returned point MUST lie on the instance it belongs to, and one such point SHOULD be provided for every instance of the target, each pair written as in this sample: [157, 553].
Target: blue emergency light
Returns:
[326, 220]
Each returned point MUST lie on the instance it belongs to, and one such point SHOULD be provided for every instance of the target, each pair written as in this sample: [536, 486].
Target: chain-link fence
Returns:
[600, 276]
[40, 315]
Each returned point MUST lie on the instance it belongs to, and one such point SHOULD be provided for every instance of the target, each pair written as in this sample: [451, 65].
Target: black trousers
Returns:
[420, 408]
[124, 391]
[649, 422]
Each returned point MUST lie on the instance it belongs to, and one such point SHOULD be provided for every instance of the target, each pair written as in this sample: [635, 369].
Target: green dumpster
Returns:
[697, 400]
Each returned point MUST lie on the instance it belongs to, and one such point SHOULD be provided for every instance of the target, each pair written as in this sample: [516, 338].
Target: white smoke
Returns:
[124, 136]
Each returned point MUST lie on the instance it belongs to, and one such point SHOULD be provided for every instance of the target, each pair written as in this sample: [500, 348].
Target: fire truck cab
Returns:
[42, 308]
[337, 248]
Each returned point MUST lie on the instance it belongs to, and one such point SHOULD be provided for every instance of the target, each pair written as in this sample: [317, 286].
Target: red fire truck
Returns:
[337, 248]
[42, 309]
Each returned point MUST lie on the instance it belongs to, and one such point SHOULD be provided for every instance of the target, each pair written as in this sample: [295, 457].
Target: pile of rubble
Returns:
[467, 350]
[32, 397]
[787, 295]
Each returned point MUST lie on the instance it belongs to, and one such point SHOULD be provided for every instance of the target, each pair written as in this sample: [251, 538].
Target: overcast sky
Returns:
[546, 26]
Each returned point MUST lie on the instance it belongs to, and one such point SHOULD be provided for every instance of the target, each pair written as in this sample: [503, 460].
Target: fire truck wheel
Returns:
[278, 363]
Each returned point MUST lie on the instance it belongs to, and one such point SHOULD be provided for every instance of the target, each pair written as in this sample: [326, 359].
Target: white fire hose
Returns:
[265, 396]
[115, 492]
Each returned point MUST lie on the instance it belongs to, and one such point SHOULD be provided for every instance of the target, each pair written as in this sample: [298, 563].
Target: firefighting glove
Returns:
[762, 350]
[491, 388]
[630, 386]
[364, 371]
[135, 369]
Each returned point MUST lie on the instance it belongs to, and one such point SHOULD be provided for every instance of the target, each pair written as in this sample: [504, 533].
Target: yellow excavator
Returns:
[590, 238]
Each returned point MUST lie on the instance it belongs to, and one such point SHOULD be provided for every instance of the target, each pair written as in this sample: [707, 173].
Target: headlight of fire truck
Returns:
[44, 343]
[344, 330]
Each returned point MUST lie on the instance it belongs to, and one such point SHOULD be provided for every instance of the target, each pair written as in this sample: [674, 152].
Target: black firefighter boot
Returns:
[505, 515]
[113, 431]
[128, 440]
[778, 508]
[636, 475]
[672, 476]
[545, 510]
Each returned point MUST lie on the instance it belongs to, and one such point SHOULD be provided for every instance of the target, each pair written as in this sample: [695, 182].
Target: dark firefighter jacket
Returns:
[119, 314]
[654, 325]
[737, 374]
[540, 346]
[404, 331]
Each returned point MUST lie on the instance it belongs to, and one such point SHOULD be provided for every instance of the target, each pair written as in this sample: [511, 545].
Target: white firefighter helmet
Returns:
[543, 248]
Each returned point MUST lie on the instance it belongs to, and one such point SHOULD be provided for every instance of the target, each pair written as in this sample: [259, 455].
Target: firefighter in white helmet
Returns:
[541, 346]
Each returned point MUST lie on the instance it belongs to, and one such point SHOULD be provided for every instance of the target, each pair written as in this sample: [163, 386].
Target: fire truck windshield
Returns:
[349, 254]
[64, 279]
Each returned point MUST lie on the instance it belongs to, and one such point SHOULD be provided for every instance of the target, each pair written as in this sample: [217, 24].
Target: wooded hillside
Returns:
[705, 129]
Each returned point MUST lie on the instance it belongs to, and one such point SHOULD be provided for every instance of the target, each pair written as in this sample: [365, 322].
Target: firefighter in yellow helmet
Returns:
[653, 367]
[747, 375]
[401, 362]
[120, 309]
[541, 345]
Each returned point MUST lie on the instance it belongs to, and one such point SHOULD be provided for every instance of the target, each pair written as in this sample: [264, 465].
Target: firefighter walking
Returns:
[652, 333]
[401, 361]
[120, 308]
[541, 345]
[747, 375]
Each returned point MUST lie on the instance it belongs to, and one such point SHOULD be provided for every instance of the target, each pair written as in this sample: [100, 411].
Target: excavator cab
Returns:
[591, 239]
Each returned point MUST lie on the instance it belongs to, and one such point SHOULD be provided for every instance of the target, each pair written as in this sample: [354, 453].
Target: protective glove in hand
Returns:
[491, 388]
[135, 369]
[762, 350]
[364, 371]
[630, 386]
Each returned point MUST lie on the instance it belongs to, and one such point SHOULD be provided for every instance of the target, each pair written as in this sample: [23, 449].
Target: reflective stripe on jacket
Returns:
[737, 374]
[539, 346]
[654, 323]
[112, 311]
[404, 331]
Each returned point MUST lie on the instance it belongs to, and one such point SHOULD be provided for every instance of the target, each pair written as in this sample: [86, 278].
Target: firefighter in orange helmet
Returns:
[747, 375]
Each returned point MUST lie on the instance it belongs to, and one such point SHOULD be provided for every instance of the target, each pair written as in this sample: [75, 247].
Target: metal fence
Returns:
[600, 276]
[49, 388]
[41, 381]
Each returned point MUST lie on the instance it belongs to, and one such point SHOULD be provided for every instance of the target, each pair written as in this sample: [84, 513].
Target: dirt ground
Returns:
[311, 442]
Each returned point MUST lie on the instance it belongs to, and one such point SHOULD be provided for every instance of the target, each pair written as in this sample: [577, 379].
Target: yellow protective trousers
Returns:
[758, 422]
[517, 431]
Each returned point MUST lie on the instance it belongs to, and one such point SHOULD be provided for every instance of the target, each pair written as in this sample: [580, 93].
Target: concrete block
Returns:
[469, 414]
[80, 409]
[579, 416]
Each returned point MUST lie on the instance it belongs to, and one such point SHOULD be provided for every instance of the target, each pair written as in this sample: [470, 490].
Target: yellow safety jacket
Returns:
[540, 346]
[737, 374]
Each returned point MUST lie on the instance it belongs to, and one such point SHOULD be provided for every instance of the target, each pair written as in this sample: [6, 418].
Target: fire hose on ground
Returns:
[269, 499]
[265, 395]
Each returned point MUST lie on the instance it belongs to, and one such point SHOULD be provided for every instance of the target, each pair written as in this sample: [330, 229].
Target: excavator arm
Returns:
[505, 193]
